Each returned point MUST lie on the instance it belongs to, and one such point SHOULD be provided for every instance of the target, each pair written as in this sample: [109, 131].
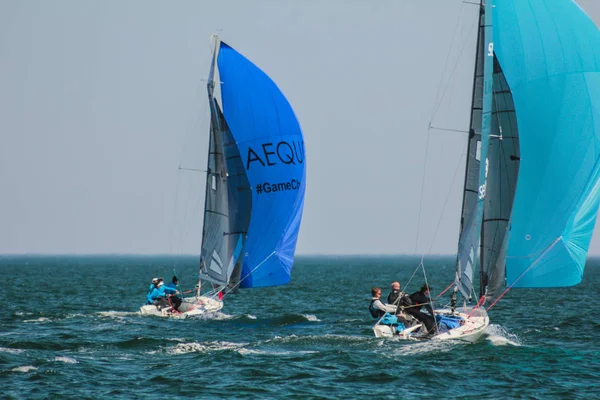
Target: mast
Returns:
[215, 250]
[488, 81]
[471, 130]
[467, 243]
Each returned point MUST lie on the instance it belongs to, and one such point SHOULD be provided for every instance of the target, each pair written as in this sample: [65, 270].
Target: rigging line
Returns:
[430, 299]
[437, 95]
[249, 273]
[448, 129]
[447, 200]
[189, 223]
[445, 290]
[191, 169]
[416, 269]
[524, 272]
[174, 215]
[183, 228]
[453, 70]
[422, 190]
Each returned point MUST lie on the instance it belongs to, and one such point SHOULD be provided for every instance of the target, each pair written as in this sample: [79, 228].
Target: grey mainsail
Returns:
[468, 239]
[215, 251]
[219, 241]
[240, 201]
[504, 157]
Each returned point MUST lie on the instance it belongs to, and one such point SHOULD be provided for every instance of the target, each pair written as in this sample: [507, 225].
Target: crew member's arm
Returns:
[384, 307]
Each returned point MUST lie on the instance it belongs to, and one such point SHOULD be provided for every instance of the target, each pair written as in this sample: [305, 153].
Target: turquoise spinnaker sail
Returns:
[549, 51]
[266, 152]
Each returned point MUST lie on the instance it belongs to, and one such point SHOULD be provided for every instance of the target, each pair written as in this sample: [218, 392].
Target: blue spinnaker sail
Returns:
[549, 51]
[271, 147]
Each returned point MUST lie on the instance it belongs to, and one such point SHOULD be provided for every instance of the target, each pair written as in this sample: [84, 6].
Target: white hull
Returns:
[192, 306]
[470, 331]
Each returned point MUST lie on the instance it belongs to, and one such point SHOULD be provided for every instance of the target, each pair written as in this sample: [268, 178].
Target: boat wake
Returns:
[499, 336]
[119, 315]
[423, 347]
[332, 339]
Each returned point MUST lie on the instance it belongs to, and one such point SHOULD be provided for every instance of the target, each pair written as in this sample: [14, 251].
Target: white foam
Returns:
[75, 315]
[11, 351]
[499, 336]
[318, 338]
[41, 319]
[176, 339]
[218, 316]
[413, 348]
[205, 347]
[117, 314]
[311, 318]
[352, 320]
[244, 351]
[65, 359]
[25, 368]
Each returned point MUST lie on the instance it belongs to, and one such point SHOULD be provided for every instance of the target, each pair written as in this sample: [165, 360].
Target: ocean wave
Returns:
[117, 314]
[413, 348]
[202, 347]
[323, 339]
[499, 336]
[244, 351]
[41, 319]
[311, 318]
[24, 368]
[65, 359]
[11, 351]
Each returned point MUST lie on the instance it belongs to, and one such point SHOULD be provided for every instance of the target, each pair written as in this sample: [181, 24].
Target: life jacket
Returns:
[375, 312]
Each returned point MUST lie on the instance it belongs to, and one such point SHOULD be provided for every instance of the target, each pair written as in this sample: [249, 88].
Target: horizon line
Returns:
[198, 255]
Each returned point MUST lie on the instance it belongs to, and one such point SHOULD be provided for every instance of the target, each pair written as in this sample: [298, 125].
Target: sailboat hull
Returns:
[193, 306]
[473, 327]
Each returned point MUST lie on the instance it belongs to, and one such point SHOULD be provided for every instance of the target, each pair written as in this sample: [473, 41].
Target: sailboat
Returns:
[532, 180]
[255, 185]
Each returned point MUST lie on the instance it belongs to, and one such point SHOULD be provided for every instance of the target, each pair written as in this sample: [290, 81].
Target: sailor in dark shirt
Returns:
[421, 299]
[393, 296]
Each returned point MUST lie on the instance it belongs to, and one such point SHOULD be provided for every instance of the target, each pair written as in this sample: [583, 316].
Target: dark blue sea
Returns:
[70, 328]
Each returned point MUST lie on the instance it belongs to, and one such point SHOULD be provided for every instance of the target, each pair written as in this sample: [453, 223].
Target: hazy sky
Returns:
[101, 101]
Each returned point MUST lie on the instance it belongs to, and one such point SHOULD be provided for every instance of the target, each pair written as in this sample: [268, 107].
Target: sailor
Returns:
[173, 293]
[157, 296]
[376, 307]
[152, 285]
[394, 294]
[421, 299]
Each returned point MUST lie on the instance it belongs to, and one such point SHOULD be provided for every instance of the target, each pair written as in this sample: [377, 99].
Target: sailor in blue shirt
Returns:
[156, 293]
[171, 289]
[152, 285]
